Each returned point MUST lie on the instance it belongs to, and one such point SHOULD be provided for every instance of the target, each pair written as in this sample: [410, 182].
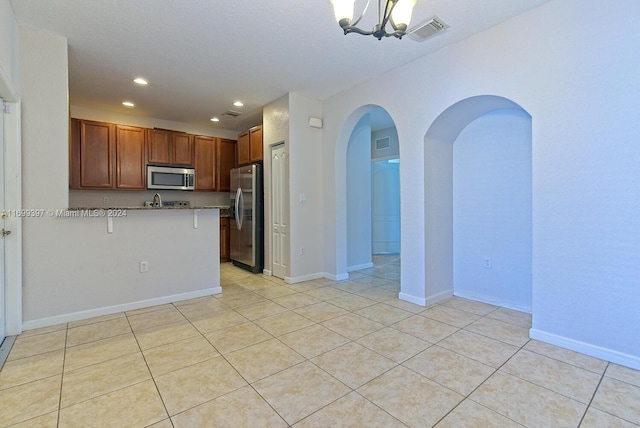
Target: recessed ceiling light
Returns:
[215, 119]
[128, 104]
[140, 81]
[238, 104]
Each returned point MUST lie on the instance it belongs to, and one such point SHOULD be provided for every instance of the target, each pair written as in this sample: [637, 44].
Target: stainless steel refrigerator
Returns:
[247, 224]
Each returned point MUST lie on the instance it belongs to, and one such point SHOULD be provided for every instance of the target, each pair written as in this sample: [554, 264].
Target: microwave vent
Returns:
[426, 29]
[231, 113]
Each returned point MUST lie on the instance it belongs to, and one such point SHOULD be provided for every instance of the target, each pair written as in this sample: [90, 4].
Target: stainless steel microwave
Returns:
[170, 178]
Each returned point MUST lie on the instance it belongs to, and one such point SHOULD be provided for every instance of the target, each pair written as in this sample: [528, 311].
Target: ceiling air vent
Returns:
[427, 29]
[231, 113]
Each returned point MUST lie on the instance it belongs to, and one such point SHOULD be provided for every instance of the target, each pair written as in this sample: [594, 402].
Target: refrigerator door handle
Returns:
[239, 212]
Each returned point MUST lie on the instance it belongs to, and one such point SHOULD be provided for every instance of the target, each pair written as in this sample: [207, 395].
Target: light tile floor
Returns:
[316, 354]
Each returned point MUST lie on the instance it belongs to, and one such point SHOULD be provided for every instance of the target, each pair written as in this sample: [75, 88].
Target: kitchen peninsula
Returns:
[144, 257]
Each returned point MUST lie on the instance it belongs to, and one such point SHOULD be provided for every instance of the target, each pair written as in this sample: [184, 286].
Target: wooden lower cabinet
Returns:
[225, 243]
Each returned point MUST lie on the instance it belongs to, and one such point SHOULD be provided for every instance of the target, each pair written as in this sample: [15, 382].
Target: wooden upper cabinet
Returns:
[169, 148]
[74, 154]
[205, 162]
[249, 148]
[131, 159]
[243, 153]
[255, 139]
[226, 161]
[158, 146]
[182, 150]
[97, 154]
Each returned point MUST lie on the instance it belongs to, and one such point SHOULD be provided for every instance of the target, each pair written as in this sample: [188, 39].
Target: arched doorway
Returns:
[478, 203]
[372, 226]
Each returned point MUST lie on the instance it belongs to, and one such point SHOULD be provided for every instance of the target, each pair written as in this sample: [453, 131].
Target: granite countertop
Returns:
[224, 209]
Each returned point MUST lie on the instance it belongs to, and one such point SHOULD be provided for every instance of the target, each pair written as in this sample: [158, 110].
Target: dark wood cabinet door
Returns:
[159, 147]
[182, 149]
[130, 160]
[205, 162]
[225, 243]
[255, 138]
[97, 154]
[74, 154]
[226, 161]
[243, 153]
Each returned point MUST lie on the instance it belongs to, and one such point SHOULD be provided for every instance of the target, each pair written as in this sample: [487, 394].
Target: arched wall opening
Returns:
[357, 221]
[478, 238]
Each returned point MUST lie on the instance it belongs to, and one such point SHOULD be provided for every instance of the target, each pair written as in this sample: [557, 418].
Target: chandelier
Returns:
[397, 13]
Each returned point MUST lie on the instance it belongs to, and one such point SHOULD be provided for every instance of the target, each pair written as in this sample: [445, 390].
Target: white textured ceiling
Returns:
[201, 55]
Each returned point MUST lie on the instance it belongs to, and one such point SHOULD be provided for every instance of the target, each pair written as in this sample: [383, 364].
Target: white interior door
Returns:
[386, 207]
[280, 212]
[3, 325]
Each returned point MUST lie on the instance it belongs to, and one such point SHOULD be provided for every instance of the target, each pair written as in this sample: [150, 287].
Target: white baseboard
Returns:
[439, 297]
[303, 278]
[359, 267]
[606, 354]
[339, 277]
[81, 315]
[266, 272]
[492, 301]
[412, 299]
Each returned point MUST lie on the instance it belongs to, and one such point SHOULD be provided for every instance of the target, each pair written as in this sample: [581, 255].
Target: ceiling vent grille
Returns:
[427, 29]
[231, 113]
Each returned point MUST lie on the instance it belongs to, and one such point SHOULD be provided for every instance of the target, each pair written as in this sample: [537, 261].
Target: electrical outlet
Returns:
[105, 200]
[144, 267]
[302, 251]
[487, 263]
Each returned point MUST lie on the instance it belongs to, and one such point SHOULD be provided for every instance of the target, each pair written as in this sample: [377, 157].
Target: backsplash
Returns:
[120, 198]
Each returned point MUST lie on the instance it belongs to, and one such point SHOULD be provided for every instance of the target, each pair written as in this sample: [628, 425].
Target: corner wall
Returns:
[581, 91]
[73, 268]
[359, 217]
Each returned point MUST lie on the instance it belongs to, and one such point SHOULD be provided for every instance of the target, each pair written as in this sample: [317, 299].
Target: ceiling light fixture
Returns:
[141, 81]
[238, 103]
[128, 104]
[397, 13]
[214, 119]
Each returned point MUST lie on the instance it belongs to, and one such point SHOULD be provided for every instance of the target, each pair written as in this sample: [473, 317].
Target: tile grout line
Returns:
[593, 396]
[148, 368]
[64, 362]
[468, 396]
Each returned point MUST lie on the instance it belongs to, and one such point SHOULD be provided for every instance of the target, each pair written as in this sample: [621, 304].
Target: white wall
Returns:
[359, 197]
[305, 166]
[72, 267]
[492, 210]
[8, 52]
[580, 88]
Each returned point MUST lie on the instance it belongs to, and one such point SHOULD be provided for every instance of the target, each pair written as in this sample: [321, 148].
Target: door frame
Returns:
[13, 201]
[285, 199]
